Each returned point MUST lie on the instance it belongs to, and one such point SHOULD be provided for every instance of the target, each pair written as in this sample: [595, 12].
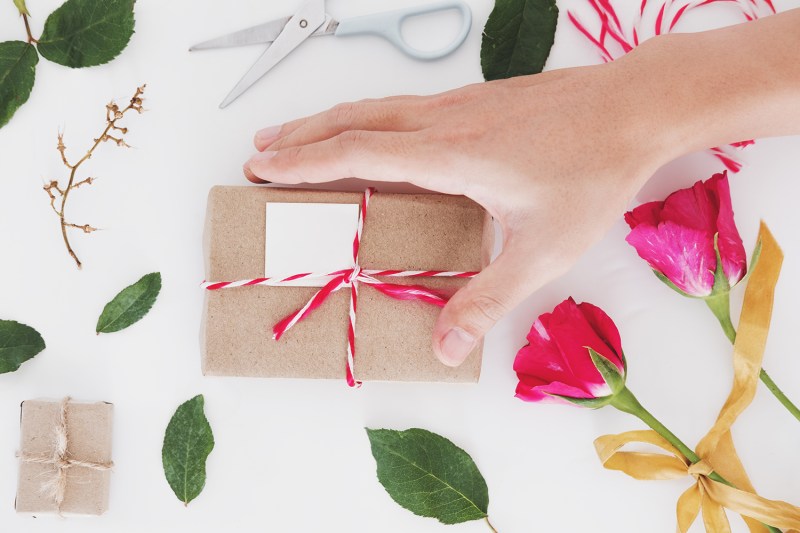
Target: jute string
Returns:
[55, 485]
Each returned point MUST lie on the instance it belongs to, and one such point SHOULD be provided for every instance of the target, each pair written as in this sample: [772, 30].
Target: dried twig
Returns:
[54, 190]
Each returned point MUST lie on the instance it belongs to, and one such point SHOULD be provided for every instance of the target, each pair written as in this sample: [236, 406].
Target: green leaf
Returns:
[429, 475]
[21, 7]
[187, 443]
[17, 73]
[18, 343]
[518, 37]
[608, 370]
[130, 305]
[85, 33]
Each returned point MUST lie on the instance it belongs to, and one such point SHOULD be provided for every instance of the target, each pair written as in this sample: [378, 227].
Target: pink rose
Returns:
[573, 354]
[676, 237]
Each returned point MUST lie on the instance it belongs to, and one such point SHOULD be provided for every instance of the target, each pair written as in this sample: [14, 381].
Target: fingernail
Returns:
[252, 177]
[268, 134]
[456, 346]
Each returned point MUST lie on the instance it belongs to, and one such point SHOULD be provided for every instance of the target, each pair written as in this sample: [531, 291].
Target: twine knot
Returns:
[56, 484]
[350, 279]
[352, 276]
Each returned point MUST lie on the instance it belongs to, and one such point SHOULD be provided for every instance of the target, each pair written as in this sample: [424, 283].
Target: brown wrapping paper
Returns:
[393, 338]
[89, 439]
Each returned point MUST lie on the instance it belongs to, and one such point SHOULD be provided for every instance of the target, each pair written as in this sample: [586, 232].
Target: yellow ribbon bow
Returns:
[716, 448]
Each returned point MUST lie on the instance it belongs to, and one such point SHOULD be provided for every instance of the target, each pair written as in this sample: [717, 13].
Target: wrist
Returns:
[699, 90]
[673, 117]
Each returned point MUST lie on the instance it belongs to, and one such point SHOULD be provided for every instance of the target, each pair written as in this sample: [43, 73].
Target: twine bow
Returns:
[716, 449]
[349, 278]
[55, 485]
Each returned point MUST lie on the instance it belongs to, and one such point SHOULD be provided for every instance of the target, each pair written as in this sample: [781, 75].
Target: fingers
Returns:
[379, 156]
[252, 178]
[473, 310]
[396, 113]
[378, 116]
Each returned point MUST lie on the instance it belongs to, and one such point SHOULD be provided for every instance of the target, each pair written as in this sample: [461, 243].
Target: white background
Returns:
[292, 455]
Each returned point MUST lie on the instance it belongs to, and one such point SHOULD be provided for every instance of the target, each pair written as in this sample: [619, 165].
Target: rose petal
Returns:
[695, 207]
[542, 363]
[649, 213]
[606, 329]
[731, 249]
[544, 393]
[573, 333]
[684, 255]
[557, 360]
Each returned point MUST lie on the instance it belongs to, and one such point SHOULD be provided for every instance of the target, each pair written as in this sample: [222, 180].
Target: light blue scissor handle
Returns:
[388, 25]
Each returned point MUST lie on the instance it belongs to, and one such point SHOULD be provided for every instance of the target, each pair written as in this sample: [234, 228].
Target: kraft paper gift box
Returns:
[392, 337]
[85, 461]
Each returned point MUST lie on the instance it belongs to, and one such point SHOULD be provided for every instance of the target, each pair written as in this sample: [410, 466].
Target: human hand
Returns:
[555, 158]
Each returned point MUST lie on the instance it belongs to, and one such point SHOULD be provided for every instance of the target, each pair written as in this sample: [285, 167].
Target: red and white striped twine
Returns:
[349, 278]
[614, 39]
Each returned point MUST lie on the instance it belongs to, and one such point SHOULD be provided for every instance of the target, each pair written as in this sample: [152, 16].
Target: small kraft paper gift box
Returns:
[321, 284]
[65, 457]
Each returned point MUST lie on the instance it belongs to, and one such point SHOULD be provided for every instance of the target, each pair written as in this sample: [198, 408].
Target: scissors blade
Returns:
[263, 33]
[299, 28]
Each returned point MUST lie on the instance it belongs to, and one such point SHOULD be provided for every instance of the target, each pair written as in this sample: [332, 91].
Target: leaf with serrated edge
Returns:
[130, 305]
[18, 343]
[188, 442]
[429, 475]
[85, 33]
[18, 62]
[518, 37]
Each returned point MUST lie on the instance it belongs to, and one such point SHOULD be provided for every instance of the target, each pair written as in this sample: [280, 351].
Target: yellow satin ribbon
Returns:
[717, 448]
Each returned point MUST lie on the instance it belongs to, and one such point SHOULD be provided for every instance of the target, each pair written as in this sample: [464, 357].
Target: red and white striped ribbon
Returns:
[349, 278]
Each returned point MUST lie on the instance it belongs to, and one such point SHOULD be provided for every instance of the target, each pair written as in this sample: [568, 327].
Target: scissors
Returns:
[283, 35]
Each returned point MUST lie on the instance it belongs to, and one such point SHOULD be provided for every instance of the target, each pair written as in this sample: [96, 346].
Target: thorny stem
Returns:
[488, 523]
[113, 114]
[31, 39]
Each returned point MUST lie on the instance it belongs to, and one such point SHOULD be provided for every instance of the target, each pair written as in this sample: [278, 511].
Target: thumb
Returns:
[474, 309]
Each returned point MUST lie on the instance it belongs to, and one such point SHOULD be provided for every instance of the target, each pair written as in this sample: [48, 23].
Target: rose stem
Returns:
[31, 40]
[626, 402]
[720, 306]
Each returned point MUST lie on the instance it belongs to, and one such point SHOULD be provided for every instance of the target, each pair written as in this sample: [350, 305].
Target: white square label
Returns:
[309, 238]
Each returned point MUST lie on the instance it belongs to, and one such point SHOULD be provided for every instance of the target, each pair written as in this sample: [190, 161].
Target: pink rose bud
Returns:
[574, 354]
[677, 238]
